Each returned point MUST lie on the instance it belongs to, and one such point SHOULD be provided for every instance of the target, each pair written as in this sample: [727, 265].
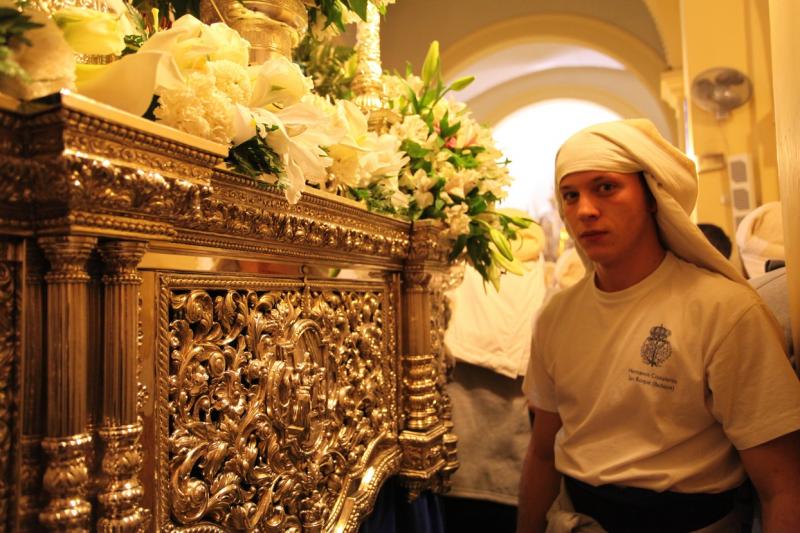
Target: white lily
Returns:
[193, 44]
[279, 82]
[129, 84]
[89, 31]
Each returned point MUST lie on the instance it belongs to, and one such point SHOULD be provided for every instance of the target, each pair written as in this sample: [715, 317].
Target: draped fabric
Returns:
[635, 145]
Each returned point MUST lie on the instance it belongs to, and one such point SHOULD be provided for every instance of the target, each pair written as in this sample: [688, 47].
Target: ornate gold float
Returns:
[182, 350]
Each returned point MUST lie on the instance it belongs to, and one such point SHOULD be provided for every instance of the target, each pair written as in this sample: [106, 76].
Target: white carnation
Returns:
[198, 108]
[232, 79]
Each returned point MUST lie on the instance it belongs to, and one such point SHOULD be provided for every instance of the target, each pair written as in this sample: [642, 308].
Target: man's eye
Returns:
[569, 196]
[606, 187]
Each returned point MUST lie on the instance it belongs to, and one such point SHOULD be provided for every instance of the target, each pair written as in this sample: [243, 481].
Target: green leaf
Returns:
[413, 149]
[477, 205]
[359, 7]
[428, 97]
[449, 130]
[255, 158]
[458, 247]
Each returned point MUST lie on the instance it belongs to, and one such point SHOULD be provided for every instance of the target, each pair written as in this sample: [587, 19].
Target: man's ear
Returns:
[652, 205]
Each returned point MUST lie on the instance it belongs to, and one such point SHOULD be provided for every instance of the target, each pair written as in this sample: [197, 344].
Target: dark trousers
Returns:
[466, 515]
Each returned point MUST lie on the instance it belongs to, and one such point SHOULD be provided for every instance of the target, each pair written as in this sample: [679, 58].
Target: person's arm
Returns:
[540, 481]
[774, 469]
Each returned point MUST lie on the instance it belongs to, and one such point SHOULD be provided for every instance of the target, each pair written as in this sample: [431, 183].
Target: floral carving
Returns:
[278, 399]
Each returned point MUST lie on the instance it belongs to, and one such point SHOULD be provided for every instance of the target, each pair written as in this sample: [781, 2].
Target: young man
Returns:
[658, 381]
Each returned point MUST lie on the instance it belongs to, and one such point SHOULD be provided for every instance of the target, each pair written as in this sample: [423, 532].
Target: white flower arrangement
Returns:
[437, 162]
[455, 172]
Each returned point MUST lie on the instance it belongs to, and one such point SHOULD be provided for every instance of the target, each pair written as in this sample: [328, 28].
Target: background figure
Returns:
[568, 270]
[760, 237]
[717, 237]
[489, 335]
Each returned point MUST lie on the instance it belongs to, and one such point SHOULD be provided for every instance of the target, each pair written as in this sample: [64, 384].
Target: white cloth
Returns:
[493, 329]
[760, 237]
[656, 384]
[636, 146]
[562, 518]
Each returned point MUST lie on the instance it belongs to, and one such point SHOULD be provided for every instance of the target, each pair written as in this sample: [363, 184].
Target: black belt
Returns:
[629, 509]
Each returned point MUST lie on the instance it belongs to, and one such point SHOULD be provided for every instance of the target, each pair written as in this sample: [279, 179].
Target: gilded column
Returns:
[425, 450]
[66, 442]
[121, 490]
[33, 392]
[367, 83]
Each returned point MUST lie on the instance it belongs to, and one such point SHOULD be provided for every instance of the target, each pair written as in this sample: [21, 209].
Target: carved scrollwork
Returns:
[426, 243]
[253, 214]
[8, 348]
[278, 402]
[78, 182]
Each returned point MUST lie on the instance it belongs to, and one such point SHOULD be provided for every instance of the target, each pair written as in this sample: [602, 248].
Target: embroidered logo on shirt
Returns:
[656, 348]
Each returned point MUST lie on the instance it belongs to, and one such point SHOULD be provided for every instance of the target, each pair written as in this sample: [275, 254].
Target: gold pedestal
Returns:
[272, 27]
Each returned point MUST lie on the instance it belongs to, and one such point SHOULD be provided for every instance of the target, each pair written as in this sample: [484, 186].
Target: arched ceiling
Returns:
[522, 59]
[410, 25]
[506, 44]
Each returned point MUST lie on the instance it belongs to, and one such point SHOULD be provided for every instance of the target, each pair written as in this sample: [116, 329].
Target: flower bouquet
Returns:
[454, 172]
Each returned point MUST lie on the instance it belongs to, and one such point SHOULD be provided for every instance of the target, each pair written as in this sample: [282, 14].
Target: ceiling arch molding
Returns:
[617, 90]
[642, 60]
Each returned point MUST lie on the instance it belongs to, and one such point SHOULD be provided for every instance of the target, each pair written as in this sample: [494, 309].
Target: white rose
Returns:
[91, 32]
[384, 159]
[226, 44]
[457, 220]
[193, 44]
[279, 82]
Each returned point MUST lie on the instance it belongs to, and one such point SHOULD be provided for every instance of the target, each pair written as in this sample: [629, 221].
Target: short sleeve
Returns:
[538, 385]
[755, 393]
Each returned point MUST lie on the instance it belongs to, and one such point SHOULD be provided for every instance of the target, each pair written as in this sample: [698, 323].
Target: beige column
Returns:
[783, 15]
[121, 490]
[66, 441]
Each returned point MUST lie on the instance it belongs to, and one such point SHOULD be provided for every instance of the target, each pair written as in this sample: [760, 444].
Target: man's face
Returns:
[609, 214]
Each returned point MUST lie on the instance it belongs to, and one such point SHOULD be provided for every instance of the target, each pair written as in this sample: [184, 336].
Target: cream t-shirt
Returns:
[657, 385]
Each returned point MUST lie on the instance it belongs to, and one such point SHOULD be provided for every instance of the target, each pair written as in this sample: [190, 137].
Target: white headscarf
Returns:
[636, 146]
[760, 237]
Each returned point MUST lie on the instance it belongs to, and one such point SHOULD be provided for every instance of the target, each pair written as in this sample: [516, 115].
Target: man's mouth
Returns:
[591, 233]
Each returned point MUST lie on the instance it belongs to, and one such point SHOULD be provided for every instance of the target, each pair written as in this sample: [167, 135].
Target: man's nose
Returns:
[587, 207]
